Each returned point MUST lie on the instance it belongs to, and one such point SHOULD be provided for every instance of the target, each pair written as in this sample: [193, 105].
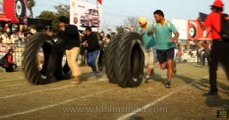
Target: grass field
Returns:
[99, 100]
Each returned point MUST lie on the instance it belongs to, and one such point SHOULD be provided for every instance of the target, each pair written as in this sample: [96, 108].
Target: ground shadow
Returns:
[217, 101]
[203, 85]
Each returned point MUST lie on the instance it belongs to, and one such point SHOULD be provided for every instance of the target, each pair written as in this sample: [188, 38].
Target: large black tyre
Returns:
[130, 60]
[30, 61]
[111, 60]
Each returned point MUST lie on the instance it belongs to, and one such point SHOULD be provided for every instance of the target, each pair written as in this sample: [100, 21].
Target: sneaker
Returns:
[76, 80]
[98, 76]
[147, 79]
[167, 84]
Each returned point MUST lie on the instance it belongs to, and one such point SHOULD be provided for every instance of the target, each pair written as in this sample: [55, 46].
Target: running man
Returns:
[165, 44]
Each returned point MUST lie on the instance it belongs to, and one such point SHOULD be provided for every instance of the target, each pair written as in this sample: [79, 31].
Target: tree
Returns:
[31, 4]
[120, 29]
[62, 9]
[109, 30]
[131, 23]
[48, 15]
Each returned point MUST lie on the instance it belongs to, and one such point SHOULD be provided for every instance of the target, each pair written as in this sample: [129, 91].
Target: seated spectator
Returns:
[21, 36]
[14, 37]
[7, 61]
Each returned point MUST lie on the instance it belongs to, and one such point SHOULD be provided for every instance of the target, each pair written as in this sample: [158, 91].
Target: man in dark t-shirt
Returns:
[91, 43]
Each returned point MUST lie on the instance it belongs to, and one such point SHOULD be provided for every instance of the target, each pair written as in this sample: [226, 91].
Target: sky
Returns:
[116, 11]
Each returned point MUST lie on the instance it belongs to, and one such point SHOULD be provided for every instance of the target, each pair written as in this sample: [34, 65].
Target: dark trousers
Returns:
[218, 54]
[92, 60]
[202, 59]
[9, 68]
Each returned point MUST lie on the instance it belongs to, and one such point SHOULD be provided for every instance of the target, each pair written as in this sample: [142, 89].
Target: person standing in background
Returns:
[91, 43]
[220, 46]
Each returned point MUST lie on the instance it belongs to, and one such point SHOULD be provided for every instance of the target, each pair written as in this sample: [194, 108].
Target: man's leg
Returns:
[95, 66]
[68, 58]
[150, 63]
[170, 69]
[71, 59]
[74, 56]
[161, 57]
[164, 65]
[170, 65]
[214, 61]
[213, 75]
[89, 59]
[147, 62]
[202, 60]
[150, 71]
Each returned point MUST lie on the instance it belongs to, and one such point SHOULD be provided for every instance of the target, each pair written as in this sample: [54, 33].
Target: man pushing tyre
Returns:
[70, 35]
[53, 49]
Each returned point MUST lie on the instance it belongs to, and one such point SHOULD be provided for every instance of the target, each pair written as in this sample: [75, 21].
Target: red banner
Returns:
[12, 10]
[196, 33]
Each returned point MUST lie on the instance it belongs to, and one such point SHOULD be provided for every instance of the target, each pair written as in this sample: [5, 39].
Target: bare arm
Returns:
[175, 38]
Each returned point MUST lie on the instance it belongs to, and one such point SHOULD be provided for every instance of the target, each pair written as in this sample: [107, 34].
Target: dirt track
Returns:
[99, 100]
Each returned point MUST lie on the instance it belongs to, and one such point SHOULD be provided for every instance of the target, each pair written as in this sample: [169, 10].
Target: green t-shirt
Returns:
[163, 35]
[148, 40]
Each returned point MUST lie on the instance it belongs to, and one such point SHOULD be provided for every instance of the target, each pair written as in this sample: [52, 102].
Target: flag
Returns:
[99, 1]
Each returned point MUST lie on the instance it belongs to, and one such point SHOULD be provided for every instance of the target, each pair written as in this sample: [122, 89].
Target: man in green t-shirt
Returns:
[165, 43]
[149, 44]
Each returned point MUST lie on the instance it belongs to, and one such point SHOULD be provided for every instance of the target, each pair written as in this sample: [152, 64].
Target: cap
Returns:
[217, 3]
[142, 20]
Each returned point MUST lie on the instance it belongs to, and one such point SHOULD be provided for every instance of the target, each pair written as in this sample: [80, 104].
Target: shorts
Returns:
[150, 57]
[164, 55]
